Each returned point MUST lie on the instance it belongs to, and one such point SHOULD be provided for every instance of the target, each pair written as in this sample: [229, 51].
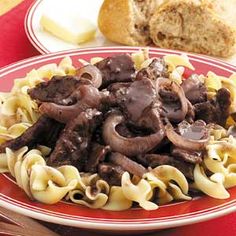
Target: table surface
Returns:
[12, 14]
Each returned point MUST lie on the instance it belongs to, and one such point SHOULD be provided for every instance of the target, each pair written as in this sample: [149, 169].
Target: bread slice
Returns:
[127, 21]
[201, 26]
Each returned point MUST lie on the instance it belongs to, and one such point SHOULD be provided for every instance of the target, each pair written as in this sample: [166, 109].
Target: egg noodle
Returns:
[160, 185]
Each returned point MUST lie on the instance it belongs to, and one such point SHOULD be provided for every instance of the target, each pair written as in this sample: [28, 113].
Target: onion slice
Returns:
[185, 143]
[128, 146]
[91, 73]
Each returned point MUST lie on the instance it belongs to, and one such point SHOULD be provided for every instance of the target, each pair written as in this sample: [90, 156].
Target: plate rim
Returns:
[115, 226]
[111, 225]
[29, 28]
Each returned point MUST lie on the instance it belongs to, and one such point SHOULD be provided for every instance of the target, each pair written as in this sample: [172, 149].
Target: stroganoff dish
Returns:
[120, 132]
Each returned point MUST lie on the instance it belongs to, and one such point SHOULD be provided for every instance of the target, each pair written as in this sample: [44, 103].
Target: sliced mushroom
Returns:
[128, 146]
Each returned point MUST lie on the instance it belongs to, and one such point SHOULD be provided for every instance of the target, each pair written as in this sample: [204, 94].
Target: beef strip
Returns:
[45, 131]
[116, 92]
[127, 164]
[215, 110]
[154, 160]
[134, 99]
[188, 156]
[116, 69]
[97, 155]
[50, 138]
[138, 103]
[157, 68]
[73, 145]
[140, 95]
[83, 97]
[110, 173]
[56, 89]
[195, 91]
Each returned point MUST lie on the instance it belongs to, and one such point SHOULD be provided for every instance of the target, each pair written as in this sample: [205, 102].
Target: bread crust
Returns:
[192, 25]
[115, 21]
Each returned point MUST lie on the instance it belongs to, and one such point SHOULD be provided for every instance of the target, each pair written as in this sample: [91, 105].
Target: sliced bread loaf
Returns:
[201, 26]
[193, 25]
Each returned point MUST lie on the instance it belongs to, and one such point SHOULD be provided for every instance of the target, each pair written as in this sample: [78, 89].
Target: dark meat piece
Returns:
[55, 90]
[188, 156]
[195, 91]
[133, 98]
[116, 69]
[156, 69]
[110, 173]
[83, 97]
[73, 145]
[45, 131]
[150, 121]
[140, 95]
[116, 92]
[223, 104]
[215, 110]
[154, 160]
[173, 103]
[50, 137]
[127, 164]
[138, 101]
[97, 154]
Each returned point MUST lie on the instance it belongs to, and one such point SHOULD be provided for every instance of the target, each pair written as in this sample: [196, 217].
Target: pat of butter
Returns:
[68, 27]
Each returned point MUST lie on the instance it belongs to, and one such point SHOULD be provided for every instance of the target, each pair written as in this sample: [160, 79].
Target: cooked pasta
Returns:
[117, 200]
[213, 187]
[173, 61]
[140, 193]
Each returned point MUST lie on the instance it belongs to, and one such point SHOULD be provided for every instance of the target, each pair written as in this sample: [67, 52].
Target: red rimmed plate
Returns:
[171, 215]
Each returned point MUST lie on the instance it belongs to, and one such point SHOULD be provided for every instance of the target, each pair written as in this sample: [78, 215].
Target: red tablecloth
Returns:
[15, 46]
